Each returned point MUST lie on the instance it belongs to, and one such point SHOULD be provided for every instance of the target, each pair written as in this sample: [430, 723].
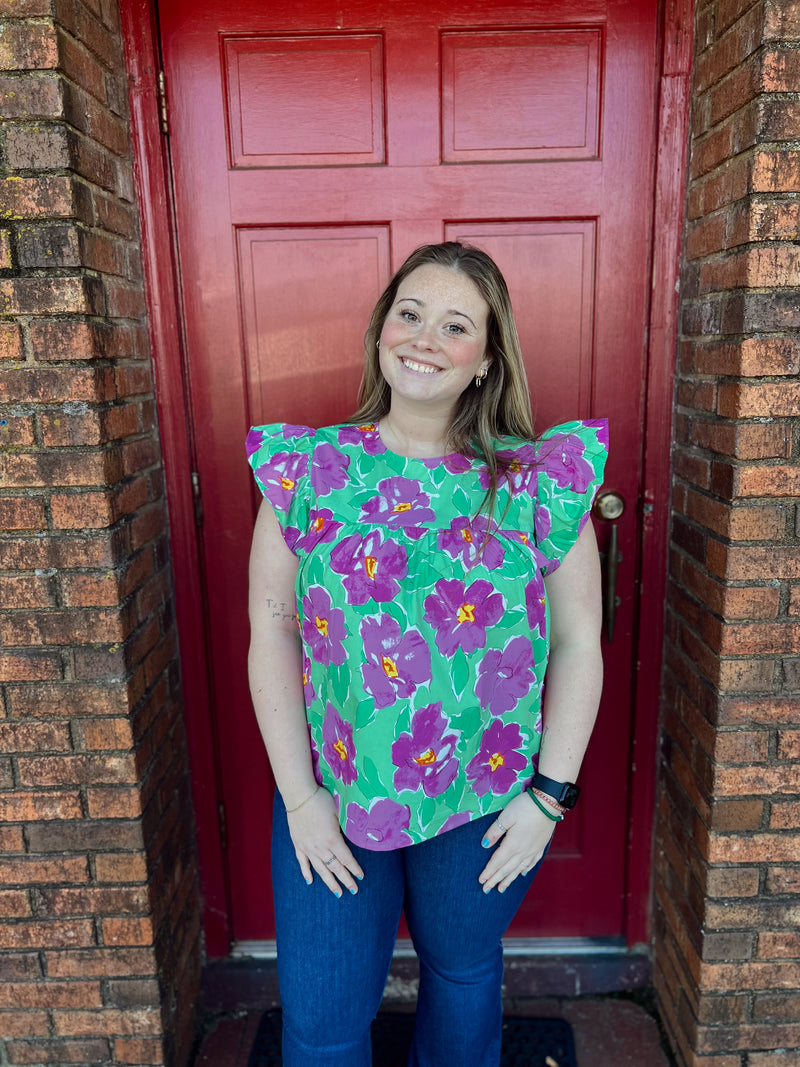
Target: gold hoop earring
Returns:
[479, 378]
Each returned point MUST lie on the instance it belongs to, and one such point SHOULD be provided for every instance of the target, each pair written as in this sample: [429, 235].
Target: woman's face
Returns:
[433, 341]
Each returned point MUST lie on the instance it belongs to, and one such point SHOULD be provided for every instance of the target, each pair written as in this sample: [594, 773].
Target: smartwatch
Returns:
[564, 793]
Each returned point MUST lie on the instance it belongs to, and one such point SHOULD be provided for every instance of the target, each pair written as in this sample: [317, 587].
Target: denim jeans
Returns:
[334, 954]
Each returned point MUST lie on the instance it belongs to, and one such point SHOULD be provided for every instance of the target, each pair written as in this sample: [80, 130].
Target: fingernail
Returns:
[338, 894]
[487, 889]
[360, 877]
[308, 881]
[353, 891]
[501, 889]
[485, 842]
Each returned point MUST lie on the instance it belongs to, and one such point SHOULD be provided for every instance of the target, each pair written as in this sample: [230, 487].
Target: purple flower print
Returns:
[517, 468]
[295, 430]
[464, 539]
[381, 828]
[425, 757]
[562, 459]
[321, 527]
[253, 441]
[459, 819]
[337, 745]
[536, 605]
[308, 689]
[601, 426]
[328, 469]
[542, 522]
[279, 476]
[400, 503]
[314, 758]
[499, 761]
[366, 436]
[456, 463]
[372, 567]
[461, 613]
[505, 677]
[396, 662]
[323, 627]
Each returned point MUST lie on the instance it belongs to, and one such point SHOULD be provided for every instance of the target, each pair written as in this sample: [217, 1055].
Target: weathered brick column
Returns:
[727, 959]
[99, 915]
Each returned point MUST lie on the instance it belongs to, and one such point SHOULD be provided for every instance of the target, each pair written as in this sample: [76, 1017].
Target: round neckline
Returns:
[427, 461]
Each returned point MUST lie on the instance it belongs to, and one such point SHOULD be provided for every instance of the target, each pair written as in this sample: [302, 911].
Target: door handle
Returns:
[608, 507]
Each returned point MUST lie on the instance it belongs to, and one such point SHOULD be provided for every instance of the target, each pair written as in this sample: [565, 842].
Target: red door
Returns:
[314, 146]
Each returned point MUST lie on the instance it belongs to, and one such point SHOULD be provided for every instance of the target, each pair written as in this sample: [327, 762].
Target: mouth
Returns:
[418, 368]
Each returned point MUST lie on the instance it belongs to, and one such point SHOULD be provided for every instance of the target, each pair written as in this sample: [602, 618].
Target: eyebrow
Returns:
[450, 311]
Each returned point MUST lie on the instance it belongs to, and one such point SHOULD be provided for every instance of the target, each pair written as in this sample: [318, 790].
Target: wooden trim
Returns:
[140, 40]
[674, 98]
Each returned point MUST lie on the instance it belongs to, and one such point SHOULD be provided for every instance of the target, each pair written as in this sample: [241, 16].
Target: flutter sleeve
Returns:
[571, 460]
[280, 458]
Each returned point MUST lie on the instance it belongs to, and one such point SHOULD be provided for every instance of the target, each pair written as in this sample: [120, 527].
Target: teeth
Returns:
[420, 368]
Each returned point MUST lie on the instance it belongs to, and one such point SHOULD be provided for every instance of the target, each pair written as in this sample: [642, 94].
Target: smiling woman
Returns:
[405, 717]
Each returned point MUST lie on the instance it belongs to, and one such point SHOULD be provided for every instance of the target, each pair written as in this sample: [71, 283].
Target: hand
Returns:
[525, 833]
[317, 836]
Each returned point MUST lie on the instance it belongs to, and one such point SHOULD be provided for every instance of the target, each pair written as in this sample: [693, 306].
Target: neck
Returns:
[414, 435]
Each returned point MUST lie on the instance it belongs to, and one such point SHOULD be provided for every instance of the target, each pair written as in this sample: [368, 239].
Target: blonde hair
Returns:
[501, 405]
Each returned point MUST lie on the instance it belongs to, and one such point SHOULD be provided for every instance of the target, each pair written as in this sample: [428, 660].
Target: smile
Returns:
[418, 368]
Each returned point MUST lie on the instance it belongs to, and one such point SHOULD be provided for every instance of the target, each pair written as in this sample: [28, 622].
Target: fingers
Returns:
[494, 833]
[338, 870]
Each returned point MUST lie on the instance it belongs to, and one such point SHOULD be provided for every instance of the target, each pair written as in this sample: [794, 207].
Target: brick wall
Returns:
[727, 961]
[99, 915]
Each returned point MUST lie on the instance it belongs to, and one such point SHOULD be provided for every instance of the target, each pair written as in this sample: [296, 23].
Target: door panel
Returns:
[313, 148]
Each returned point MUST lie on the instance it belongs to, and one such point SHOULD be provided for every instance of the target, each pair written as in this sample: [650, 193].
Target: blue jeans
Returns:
[334, 954]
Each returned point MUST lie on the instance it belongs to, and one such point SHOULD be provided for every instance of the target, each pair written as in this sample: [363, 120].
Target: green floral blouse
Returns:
[425, 642]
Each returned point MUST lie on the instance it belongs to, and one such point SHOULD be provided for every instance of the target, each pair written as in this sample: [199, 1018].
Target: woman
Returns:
[434, 555]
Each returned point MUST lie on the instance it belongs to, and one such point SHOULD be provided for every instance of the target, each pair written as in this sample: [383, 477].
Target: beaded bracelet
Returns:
[290, 811]
[542, 808]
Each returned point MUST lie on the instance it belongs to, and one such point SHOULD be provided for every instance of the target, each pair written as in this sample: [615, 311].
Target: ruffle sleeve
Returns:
[571, 460]
[280, 458]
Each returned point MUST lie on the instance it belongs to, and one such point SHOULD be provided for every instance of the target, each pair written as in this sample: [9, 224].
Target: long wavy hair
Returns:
[501, 405]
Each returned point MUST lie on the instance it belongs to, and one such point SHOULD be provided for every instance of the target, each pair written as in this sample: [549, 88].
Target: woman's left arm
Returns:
[572, 693]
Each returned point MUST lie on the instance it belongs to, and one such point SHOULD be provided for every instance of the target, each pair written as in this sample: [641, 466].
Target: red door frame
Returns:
[151, 160]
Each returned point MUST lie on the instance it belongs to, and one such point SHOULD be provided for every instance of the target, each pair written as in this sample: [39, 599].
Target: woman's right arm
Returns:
[275, 668]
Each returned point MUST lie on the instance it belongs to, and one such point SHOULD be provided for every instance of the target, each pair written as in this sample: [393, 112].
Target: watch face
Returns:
[570, 797]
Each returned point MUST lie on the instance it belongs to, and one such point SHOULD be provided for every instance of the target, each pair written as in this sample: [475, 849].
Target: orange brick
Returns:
[785, 816]
[31, 807]
[128, 931]
[11, 341]
[22, 513]
[116, 803]
[121, 867]
[24, 1024]
[50, 995]
[58, 933]
[14, 904]
[27, 591]
[137, 1051]
[131, 1022]
[98, 734]
[789, 744]
[752, 848]
[757, 781]
[30, 666]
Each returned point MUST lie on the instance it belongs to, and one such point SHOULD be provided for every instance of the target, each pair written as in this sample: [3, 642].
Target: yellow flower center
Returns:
[466, 613]
[339, 746]
[287, 483]
[370, 566]
[305, 678]
[367, 427]
[389, 667]
[426, 758]
[496, 760]
[321, 625]
[402, 507]
[467, 536]
[515, 467]
[319, 522]
[524, 538]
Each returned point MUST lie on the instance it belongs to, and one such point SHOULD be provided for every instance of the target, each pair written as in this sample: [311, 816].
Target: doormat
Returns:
[526, 1042]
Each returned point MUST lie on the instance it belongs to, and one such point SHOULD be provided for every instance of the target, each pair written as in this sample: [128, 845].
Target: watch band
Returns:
[564, 793]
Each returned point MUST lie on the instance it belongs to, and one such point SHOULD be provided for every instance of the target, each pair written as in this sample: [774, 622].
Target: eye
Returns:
[455, 328]
[407, 315]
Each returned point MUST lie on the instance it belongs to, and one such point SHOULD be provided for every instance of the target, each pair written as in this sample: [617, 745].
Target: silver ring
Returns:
[328, 862]
[503, 828]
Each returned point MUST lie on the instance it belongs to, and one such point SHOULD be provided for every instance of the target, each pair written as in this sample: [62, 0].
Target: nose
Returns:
[426, 339]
